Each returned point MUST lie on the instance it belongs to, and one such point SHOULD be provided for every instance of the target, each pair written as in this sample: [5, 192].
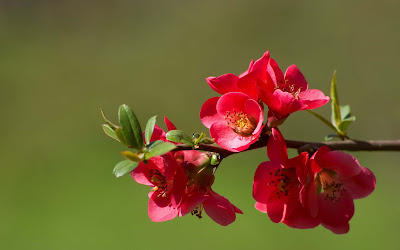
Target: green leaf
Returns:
[344, 112]
[160, 149]
[336, 118]
[180, 137]
[345, 123]
[148, 132]
[130, 127]
[109, 131]
[124, 167]
[120, 136]
[132, 156]
[321, 118]
[330, 137]
[154, 143]
[114, 127]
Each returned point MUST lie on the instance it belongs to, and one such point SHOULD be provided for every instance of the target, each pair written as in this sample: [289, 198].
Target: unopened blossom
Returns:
[336, 180]
[278, 183]
[234, 119]
[287, 93]
[246, 82]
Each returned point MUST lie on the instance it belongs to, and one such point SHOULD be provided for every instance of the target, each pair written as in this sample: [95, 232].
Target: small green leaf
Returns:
[114, 127]
[344, 112]
[154, 143]
[148, 132]
[330, 137]
[345, 123]
[109, 131]
[336, 118]
[124, 167]
[120, 136]
[132, 156]
[321, 118]
[130, 127]
[179, 136]
[160, 149]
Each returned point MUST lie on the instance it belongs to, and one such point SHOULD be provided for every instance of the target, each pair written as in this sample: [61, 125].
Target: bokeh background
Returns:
[60, 61]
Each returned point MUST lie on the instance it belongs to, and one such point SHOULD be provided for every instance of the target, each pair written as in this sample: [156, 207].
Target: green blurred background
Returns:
[60, 61]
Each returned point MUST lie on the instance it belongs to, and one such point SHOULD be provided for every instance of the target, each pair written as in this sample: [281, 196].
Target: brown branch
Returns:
[302, 146]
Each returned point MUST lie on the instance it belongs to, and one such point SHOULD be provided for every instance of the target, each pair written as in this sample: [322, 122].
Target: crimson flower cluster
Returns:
[302, 192]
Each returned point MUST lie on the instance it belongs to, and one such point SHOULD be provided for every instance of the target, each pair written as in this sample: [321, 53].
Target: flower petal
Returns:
[219, 209]
[345, 165]
[361, 185]
[189, 202]
[224, 83]
[261, 207]
[253, 109]
[335, 213]
[275, 72]
[141, 174]
[338, 229]
[170, 125]
[313, 98]
[225, 137]
[276, 147]
[300, 218]
[287, 103]
[231, 102]
[208, 112]
[293, 76]
[159, 214]
[264, 178]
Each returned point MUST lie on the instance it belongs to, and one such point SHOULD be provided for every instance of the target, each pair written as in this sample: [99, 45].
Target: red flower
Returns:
[278, 182]
[199, 195]
[285, 94]
[245, 82]
[234, 119]
[337, 179]
[168, 180]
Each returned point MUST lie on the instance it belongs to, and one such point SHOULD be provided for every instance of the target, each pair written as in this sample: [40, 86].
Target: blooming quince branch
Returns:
[317, 187]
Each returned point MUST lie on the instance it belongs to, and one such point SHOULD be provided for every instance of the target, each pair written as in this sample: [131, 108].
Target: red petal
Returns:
[208, 112]
[293, 76]
[265, 173]
[219, 209]
[287, 103]
[225, 137]
[254, 110]
[170, 125]
[261, 207]
[224, 83]
[338, 229]
[313, 98]
[345, 165]
[159, 214]
[231, 102]
[141, 174]
[335, 213]
[275, 72]
[276, 147]
[361, 185]
[300, 218]
[189, 202]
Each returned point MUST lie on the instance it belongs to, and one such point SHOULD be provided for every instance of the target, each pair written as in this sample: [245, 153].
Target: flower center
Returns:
[159, 181]
[281, 181]
[332, 188]
[241, 123]
[289, 89]
[198, 210]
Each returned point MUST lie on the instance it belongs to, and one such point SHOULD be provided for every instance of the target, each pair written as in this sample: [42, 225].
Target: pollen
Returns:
[332, 188]
[289, 89]
[240, 123]
[159, 181]
[198, 211]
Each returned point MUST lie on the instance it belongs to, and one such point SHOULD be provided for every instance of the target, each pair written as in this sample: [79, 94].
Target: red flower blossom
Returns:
[168, 180]
[337, 179]
[234, 119]
[199, 195]
[278, 182]
[245, 82]
[285, 94]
